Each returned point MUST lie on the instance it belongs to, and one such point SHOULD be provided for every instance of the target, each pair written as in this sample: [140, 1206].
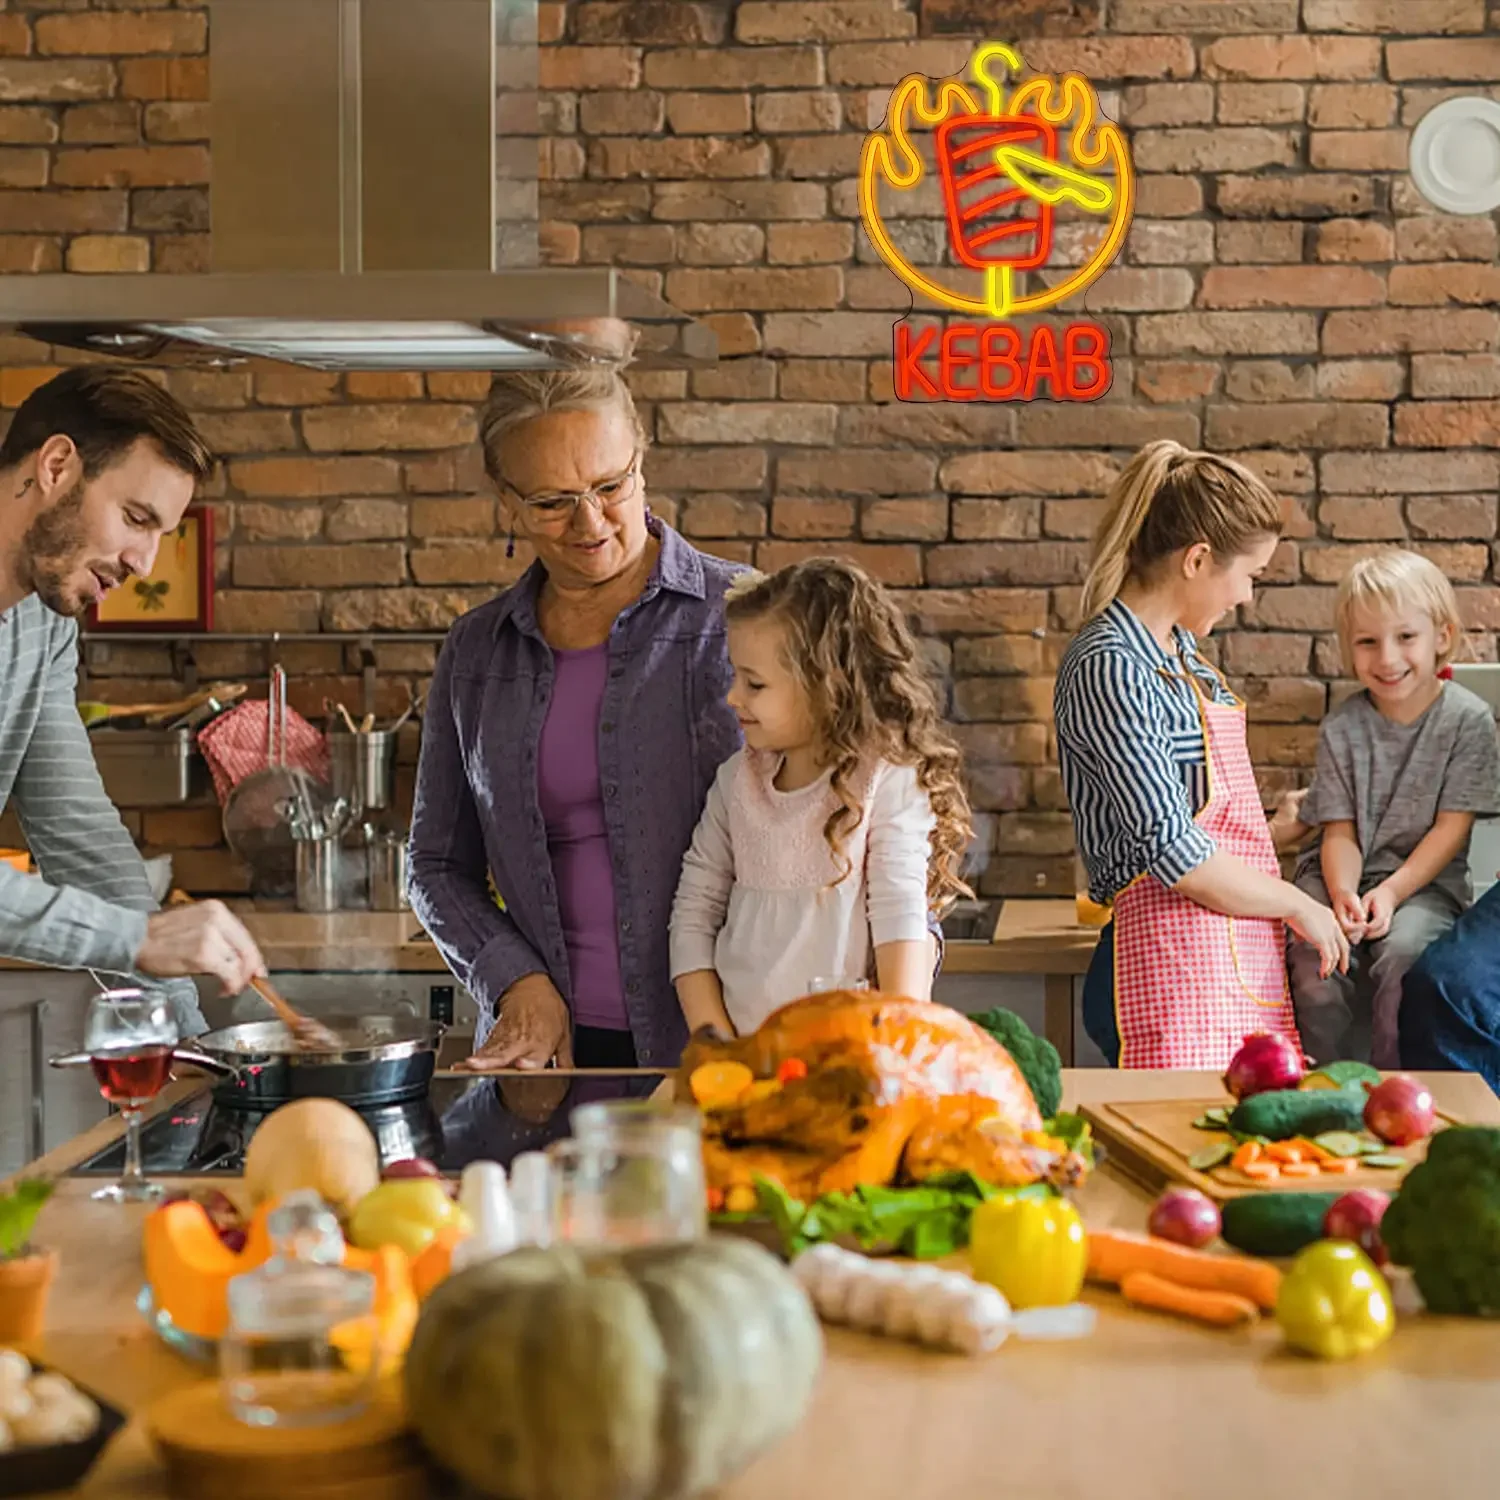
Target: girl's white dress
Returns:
[757, 903]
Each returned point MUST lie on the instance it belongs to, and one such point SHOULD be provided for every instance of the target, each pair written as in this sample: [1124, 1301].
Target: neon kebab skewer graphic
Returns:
[994, 159]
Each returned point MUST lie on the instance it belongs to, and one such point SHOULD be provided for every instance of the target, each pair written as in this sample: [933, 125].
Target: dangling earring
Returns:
[510, 543]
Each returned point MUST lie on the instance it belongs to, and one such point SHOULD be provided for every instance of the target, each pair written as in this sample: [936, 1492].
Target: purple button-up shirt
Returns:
[664, 730]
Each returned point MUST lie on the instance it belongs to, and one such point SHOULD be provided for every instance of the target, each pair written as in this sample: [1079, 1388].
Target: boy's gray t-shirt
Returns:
[1392, 780]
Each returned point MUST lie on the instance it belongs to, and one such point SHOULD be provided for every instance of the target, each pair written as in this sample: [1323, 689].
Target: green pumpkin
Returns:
[646, 1374]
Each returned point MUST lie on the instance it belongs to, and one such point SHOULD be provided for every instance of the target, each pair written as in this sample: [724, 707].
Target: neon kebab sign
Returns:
[1002, 181]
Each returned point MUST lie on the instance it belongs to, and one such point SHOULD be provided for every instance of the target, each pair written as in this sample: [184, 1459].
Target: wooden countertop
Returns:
[1031, 937]
[1149, 1408]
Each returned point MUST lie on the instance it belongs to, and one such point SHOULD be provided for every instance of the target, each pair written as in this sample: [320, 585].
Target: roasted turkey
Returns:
[896, 1090]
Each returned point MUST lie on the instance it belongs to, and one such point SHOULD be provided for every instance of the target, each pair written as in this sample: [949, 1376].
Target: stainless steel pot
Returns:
[388, 1059]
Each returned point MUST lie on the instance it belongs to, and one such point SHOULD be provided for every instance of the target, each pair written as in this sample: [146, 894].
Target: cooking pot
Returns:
[385, 1060]
[258, 1066]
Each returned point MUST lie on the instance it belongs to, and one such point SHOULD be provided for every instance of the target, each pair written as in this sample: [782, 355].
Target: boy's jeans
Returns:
[1332, 1013]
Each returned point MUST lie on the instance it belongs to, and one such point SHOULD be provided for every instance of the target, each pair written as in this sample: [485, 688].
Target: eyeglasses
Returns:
[554, 509]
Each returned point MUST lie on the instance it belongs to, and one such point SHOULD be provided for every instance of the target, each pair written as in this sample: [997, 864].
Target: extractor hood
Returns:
[374, 206]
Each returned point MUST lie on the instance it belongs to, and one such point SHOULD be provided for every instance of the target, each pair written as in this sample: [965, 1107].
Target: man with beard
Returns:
[97, 466]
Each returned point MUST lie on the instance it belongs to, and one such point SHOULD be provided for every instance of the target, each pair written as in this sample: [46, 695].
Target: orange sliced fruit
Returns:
[717, 1085]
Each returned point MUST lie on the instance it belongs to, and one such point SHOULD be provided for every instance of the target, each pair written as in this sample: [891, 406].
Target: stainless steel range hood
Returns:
[374, 206]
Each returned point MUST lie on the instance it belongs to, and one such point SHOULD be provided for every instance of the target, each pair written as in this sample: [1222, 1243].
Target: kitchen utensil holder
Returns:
[361, 767]
[149, 767]
[319, 874]
[387, 856]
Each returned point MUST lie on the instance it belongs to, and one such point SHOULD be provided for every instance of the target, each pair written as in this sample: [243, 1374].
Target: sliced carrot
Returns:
[1115, 1254]
[1222, 1308]
[1247, 1153]
[1339, 1164]
[1262, 1171]
[1300, 1169]
[1283, 1151]
[1312, 1151]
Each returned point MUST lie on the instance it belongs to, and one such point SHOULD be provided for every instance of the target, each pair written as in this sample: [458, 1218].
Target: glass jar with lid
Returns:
[279, 1363]
[632, 1174]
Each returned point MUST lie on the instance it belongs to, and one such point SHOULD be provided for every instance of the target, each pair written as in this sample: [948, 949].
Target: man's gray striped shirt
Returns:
[87, 907]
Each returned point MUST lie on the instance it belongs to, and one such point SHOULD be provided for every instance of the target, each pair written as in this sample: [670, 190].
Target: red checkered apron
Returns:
[1191, 984]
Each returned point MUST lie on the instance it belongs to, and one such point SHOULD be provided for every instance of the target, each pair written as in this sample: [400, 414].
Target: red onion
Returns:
[1356, 1216]
[1266, 1061]
[1185, 1216]
[1400, 1110]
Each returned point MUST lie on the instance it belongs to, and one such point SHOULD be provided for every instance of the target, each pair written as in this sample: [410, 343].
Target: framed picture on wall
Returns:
[179, 593]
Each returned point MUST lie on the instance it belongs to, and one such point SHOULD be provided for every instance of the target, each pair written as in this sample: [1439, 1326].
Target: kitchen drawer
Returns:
[150, 767]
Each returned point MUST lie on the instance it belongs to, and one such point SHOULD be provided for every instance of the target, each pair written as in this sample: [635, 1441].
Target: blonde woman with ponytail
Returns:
[1154, 760]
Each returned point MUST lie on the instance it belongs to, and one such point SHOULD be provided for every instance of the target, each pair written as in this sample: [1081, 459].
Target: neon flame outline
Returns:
[1094, 143]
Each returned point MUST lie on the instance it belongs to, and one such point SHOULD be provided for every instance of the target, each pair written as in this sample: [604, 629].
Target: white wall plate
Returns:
[1455, 155]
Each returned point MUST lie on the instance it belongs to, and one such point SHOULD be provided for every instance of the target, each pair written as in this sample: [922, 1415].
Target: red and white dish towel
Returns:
[234, 746]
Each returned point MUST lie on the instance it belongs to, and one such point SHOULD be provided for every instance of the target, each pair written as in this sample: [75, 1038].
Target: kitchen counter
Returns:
[1032, 937]
[1149, 1408]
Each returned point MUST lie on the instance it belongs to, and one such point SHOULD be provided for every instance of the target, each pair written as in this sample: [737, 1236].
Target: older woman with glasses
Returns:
[574, 726]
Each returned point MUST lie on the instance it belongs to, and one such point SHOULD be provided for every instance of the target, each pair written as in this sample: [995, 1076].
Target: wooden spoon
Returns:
[309, 1034]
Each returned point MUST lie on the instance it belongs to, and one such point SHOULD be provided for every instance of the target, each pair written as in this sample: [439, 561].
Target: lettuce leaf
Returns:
[924, 1222]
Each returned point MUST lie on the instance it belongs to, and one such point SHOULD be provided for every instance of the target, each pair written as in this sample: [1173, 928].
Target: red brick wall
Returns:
[1284, 294]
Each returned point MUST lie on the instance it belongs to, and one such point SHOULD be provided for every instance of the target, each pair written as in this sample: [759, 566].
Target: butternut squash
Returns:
[385, 1334]
[189, 1268]
[432, 1266]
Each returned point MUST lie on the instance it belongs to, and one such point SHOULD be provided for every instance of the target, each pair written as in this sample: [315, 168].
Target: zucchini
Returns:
[1279, 1114]
[1275, 1223]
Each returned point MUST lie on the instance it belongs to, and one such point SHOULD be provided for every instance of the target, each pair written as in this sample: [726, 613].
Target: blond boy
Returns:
[1404, 767]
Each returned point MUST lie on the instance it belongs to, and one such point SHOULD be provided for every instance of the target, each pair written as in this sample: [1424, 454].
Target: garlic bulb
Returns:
[944, 1309]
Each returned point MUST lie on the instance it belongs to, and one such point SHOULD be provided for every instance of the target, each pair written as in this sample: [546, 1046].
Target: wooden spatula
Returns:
[309, 1034]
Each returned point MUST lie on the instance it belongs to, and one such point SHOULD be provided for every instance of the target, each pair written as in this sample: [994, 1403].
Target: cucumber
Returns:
[1279, 1114]
[1275, 1223]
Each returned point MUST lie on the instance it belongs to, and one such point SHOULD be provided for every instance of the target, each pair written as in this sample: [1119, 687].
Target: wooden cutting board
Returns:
[1151, 1140]
[207, 1452]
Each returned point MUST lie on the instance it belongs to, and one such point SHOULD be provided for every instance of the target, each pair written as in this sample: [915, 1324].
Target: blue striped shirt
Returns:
[1130, 747]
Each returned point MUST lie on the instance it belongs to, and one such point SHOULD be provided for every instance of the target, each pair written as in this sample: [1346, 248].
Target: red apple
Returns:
[1400, 1110]
[1356, 1216]
[410, 1166]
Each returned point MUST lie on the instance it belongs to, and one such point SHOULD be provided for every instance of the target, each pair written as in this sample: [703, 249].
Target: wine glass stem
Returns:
[133, 1175]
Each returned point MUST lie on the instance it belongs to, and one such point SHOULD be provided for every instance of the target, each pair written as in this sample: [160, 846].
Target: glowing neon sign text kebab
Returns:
[1002, 180]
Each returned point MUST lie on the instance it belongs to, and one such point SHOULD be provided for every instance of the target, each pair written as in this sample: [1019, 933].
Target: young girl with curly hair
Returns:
[829, 840]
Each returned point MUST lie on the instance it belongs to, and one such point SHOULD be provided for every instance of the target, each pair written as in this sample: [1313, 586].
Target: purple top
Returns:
[664, 730]
[572, 803]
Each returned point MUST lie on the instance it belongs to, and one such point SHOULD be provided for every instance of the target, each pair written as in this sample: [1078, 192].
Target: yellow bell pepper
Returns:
[406, 1211]
[1034, 1250]
[1334, 1303]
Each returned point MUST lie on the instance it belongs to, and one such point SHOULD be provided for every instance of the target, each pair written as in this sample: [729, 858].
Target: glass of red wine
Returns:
[129, 1036]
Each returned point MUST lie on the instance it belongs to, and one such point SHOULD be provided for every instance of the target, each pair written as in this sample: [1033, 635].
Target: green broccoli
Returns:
[1035, 1056]
[1445, 1222]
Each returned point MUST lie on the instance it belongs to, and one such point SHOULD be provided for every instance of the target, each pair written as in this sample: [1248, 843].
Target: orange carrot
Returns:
[1247, 1153]
[1116, 1253]
[1262, 1171]
[1312, 1151]
[1301, 1169]
[1284, 1152]
[1339, 1164]
[1223, 1308]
